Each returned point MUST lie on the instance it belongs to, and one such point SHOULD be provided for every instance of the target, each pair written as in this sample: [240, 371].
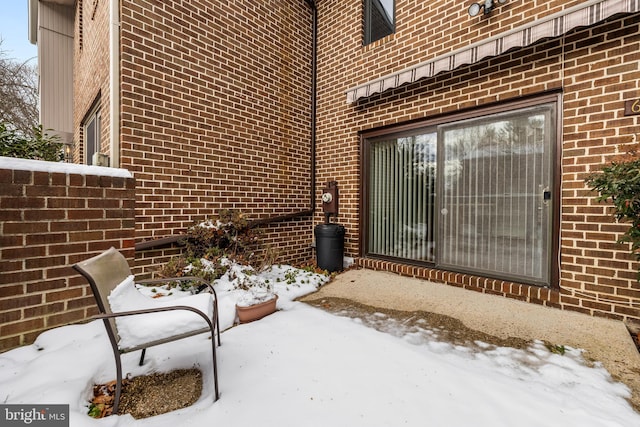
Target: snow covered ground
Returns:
[304, 367]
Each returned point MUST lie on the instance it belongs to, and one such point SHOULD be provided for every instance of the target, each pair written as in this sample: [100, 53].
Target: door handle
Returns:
[546, 195]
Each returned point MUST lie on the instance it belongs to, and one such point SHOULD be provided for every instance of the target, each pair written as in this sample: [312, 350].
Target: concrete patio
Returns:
[603, 340]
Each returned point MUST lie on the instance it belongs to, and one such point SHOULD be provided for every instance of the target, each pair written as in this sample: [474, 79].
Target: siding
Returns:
[55, 63]
[49, 221]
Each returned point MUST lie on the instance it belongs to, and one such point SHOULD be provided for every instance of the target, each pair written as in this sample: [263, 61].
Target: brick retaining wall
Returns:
[49, 221]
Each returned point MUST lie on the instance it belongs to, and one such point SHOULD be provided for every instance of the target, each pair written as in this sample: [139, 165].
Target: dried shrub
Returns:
[229, 235]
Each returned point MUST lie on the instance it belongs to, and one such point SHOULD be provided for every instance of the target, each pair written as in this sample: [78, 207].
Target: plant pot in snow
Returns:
[256, 311]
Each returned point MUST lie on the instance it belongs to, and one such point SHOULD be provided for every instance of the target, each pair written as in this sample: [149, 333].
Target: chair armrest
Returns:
[155, 310]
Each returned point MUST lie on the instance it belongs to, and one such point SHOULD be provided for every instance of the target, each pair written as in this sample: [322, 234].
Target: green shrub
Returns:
[38, 147]
[619, 183]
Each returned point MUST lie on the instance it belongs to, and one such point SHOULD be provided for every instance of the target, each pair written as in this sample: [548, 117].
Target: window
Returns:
[470, 195]
[379, 19]
[91, 133]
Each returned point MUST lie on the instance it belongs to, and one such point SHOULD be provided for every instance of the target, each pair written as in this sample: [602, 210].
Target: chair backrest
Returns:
[104, 272]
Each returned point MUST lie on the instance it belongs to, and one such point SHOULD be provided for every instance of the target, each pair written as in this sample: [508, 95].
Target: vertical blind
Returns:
[402, 185]
[495, 207]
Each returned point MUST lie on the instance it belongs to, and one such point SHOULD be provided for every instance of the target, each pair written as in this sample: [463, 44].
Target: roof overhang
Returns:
[33, 16]
[582, 15]
[33, 21]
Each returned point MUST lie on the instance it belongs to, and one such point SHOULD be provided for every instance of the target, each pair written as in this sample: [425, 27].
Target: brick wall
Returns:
[215, 115]
[602, 71]
[595, 69]
[48, 221]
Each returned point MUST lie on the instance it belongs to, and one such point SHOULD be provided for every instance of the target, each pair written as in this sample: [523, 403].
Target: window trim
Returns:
[366, 23]
[93, 116]
[377, 134]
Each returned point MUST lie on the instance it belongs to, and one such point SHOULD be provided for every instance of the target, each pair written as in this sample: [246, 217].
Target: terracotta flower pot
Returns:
[256, 311]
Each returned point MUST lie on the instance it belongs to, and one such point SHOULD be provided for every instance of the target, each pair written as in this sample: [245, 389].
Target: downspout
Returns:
[314, 107]
[114, 82]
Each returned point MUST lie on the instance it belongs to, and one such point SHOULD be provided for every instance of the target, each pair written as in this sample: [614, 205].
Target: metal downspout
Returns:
[114, 83]
[314, 107]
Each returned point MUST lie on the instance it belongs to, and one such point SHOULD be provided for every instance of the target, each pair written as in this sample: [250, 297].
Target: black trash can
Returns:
[329, 246]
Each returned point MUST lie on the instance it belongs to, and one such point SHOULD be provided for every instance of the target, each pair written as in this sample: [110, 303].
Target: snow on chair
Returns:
[109, 276]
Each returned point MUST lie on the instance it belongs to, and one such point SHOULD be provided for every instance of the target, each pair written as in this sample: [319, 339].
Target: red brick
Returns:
[69, 226]
[46, 285]
[20, 302]
[22, 203]
[20, 276]
[10, 290]
[12, 240]
[42, 215]
[7, 343]
[45, 191]
[66, 203]
[23, 227]
[62, 295]
[21, 327]
[64, 318]
[82, 214]
[43, 310]
[22, 177]
[48, 238]
[67, 248]
[12, 190]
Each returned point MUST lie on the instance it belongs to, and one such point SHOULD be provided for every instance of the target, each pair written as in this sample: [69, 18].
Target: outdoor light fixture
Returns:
[488, 6]
[67, 146]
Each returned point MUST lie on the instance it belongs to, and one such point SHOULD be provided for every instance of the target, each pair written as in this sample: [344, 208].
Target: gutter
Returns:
[149, 244]
[114, 83]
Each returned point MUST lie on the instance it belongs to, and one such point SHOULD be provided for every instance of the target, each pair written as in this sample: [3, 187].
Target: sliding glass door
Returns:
[494, 211]
[471, 195]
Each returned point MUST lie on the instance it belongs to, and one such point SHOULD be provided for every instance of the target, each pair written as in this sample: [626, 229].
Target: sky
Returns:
[302, 366]
[14, 31]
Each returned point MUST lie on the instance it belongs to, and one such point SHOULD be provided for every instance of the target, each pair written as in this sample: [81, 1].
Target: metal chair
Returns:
[104, 273]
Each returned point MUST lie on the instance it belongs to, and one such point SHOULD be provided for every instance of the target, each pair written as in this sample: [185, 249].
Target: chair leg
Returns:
[216, 315]
[216, 392]
[116, 400]
[144, 351]
[217, 323]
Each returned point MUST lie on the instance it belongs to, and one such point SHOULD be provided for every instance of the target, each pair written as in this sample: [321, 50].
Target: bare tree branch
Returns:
[18, 94]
